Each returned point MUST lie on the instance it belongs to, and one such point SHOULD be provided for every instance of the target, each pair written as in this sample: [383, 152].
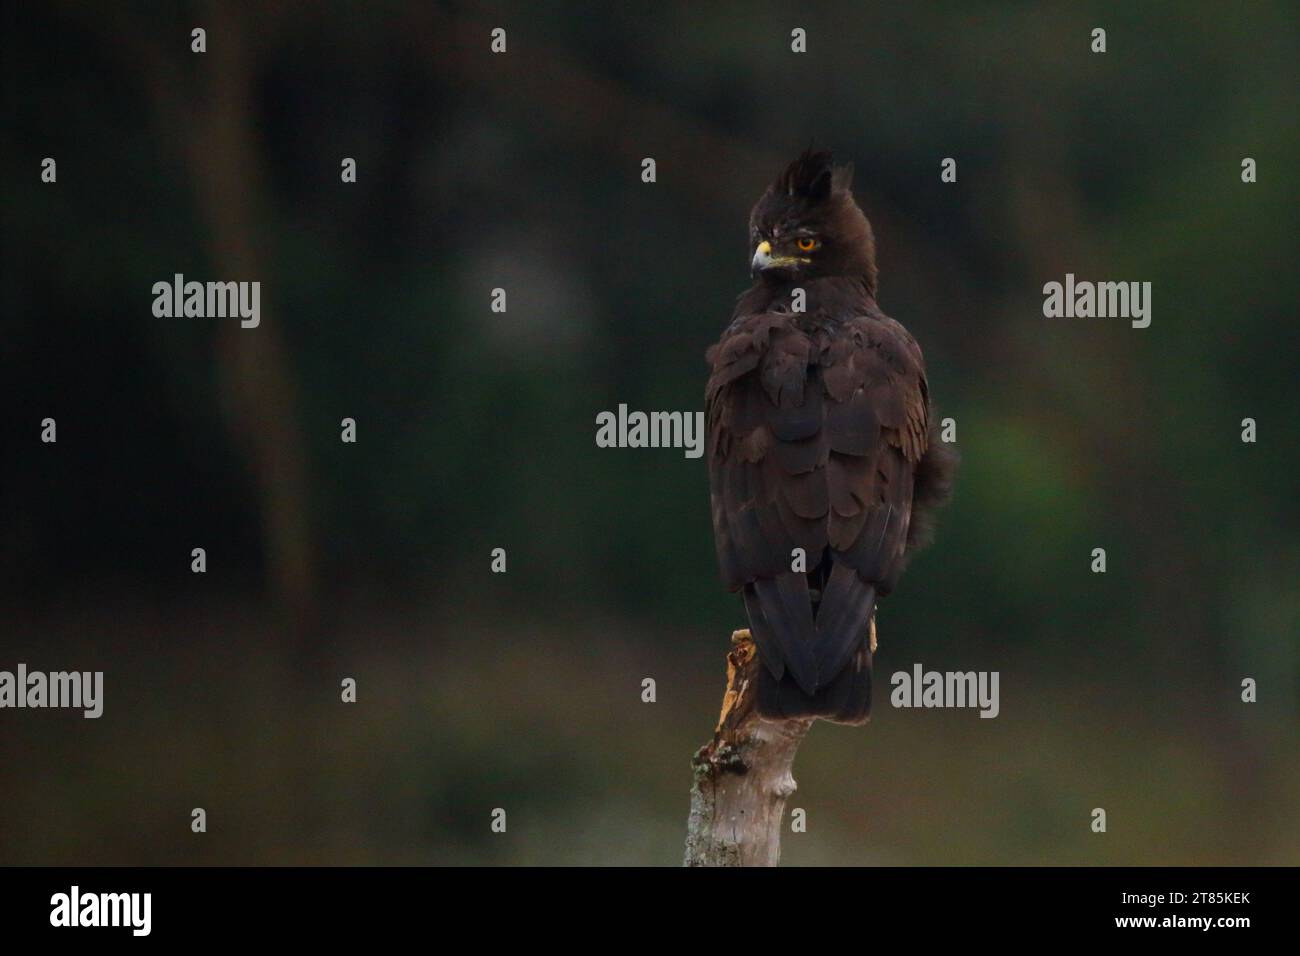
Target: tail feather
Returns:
[842, 618]
[845, 700]
[789, 628]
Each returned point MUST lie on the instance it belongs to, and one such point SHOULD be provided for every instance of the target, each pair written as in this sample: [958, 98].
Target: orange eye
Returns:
[806, 244]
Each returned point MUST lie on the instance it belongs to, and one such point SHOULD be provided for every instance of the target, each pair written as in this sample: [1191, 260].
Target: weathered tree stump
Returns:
[743, 776]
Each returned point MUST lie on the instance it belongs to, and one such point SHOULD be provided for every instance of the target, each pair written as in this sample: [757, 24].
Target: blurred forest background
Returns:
[476, 429]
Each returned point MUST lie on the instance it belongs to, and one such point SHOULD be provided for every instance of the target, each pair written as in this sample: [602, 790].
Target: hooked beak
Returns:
[764, 260]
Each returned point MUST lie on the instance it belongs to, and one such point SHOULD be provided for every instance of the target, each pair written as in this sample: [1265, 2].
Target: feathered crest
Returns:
[813, 176]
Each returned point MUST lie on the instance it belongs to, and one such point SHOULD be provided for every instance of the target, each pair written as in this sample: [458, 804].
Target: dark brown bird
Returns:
[819, 439]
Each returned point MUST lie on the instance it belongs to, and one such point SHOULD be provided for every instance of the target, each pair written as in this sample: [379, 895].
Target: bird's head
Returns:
[807, 225]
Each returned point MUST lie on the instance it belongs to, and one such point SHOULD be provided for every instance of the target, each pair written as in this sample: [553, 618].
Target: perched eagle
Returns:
[819, 439]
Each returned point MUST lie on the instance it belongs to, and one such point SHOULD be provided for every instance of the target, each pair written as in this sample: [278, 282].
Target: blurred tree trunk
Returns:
[211, 123]
[261, 407]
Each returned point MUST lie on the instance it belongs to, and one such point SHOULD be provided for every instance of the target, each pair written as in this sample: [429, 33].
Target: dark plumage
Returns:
[818, 438]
